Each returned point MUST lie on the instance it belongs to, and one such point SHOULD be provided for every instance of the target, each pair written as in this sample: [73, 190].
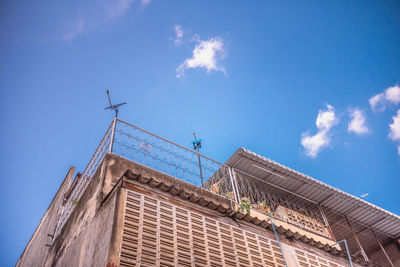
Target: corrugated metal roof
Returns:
[325, 195]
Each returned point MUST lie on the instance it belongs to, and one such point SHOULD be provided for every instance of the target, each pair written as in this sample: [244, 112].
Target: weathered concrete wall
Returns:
[85, 238]
[91, 246]
[36, 251]
[87, 231]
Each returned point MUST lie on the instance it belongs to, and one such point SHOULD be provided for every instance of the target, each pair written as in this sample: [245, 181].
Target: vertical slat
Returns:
[140, 237]
[233, 245]
[206, 241]
[191, 240]
[158, 234]
[175, 238]
[220, 244]
[248, 248]
[260, 250]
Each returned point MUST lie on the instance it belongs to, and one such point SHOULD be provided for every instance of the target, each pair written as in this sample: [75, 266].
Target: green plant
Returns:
[74, 201]
[245, 206]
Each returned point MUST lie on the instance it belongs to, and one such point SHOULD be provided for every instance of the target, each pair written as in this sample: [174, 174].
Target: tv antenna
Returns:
[113, 107]
[196, 146]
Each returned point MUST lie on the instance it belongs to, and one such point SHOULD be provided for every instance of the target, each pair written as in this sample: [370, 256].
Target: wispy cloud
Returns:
[178, 35]
[94, 14]
[357, 123]
[206, 54]
[118, 8]
[145, 2]
[394, 133]
[76, 29]
[326, 119]
[390, 96]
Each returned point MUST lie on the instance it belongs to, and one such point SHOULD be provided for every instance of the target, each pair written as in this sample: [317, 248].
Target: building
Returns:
[145, 201]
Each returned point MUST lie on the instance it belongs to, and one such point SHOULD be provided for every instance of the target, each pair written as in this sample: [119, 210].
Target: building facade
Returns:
[145, 201]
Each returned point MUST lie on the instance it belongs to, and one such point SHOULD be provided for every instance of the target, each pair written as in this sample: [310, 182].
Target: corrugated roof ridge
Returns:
[316, 181]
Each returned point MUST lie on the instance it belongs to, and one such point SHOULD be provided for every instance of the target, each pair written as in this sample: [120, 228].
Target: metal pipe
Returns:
[276, 235]
[383, 249]
[347, 250]
[358, 241]
[201, 172]
[236, 184]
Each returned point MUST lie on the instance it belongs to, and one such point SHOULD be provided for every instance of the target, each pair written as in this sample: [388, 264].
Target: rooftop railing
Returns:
[153, 151]
[158, 153]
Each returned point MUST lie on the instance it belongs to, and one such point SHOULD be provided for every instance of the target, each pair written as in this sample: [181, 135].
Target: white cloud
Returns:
[357, 123]
[390, 96]
[178, 35]
[118, 8]
[205, 55]
[145, 2]
[326, 119]
[376, 100]
[394, 133]
[313, 144]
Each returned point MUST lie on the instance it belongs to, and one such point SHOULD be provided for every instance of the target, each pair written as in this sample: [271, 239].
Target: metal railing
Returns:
[148, 149]
[293, 209]
[158, 153]
[84, 180]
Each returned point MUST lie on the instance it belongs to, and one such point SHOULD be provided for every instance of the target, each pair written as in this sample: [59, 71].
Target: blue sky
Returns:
[281, 79]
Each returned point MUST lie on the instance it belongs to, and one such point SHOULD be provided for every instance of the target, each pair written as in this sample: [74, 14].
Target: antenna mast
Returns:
[196, 146]
[113, 107]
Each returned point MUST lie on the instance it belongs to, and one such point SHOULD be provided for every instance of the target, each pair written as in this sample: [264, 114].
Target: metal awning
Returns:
[330, 198]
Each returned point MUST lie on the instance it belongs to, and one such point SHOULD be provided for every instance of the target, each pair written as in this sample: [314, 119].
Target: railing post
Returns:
[114, 122]
[201, 172]
[235, 187]
[233, 184]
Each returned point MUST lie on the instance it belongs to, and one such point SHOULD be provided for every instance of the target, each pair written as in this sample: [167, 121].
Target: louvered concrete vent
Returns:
[156, 233]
